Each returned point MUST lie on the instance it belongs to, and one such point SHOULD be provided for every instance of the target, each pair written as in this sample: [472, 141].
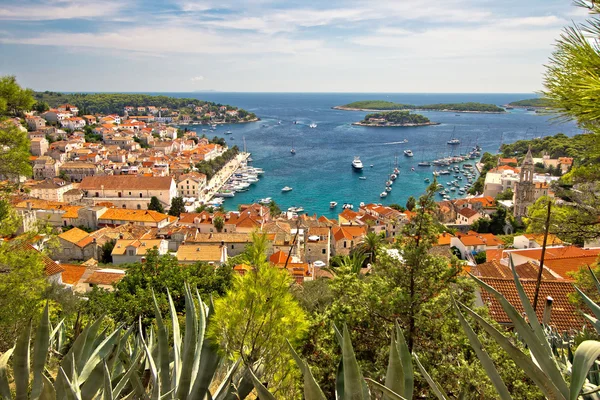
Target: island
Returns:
[179, 111]
[539, 102]
[395, 118]
[382, 105]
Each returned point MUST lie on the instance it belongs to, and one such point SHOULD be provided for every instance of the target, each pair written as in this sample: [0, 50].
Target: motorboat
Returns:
[404, 141]
[228, 133]
[408, 153]
[393, 177]
[296, 209]
[427, 180]
[313, 125]
[363, 178]
[347, 206]
[265, 201]
[424, 164]
[388, 188]
[383, 194]
[293, 151]
[286, 189]
[357, 164]
[225, 193]
[332, 204]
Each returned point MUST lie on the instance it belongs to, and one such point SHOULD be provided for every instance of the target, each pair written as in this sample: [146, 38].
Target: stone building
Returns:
[524, 189]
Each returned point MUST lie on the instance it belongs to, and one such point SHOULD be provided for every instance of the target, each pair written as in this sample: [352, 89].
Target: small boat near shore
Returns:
[333, 204]
[408, 153]
[286, 189]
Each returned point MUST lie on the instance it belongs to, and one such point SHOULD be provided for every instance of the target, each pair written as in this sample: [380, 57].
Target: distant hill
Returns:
[382, 105]
[537, 102]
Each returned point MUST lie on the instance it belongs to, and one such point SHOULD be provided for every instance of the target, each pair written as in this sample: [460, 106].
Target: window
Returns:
[131, 252]
[345, 244]
[97, 194]
[324, 251]
[140, 195]
[232, 247]
[124, 206]
[130, 193]
[139, 207]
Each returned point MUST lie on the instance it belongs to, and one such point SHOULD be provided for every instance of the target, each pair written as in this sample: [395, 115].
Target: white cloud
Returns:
[197, 78]
[68, 9]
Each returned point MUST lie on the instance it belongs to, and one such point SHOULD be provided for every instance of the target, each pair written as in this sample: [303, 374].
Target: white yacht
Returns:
[408, 153]
[265, 201]
[332, 204]
[313, 125]
[383, 194]
[453, 141]
[357, 164]
[286, 189]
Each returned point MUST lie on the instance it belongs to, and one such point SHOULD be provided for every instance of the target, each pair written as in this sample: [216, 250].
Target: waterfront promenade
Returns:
[221, 177]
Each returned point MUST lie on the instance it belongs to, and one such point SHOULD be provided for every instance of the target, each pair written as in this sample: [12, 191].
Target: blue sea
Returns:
[321, 171]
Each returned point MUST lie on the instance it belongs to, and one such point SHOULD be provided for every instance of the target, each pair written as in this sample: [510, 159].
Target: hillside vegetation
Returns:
[388, 105]
[537, 102]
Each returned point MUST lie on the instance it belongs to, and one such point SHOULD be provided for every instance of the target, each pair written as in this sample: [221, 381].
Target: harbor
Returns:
[320, 171]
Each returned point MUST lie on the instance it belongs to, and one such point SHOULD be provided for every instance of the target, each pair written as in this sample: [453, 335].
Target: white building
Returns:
[128, 191]
[130, 251]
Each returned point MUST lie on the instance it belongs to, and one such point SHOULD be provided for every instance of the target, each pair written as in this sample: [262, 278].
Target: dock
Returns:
[222, 176]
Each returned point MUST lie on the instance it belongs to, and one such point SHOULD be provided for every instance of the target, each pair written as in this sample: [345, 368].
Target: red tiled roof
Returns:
[278, 258]
[563, 266]
[467, 212]
[104, 278]
[564, 317]
[72, 273]
[494, 269]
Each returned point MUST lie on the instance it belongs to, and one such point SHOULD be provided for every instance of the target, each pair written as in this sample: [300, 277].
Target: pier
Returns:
[222, 176]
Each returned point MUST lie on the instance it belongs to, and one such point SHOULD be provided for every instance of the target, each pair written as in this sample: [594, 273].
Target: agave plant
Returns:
[350, 383]
[546, 367]
[121, 364]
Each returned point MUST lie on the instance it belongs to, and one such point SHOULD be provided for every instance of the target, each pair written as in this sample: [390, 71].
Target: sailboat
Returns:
[453, 140]
[293, 150]
[423, 163]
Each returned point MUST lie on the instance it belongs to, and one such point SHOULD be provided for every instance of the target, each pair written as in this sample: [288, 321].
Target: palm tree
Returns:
[219, 223]
[371, 245]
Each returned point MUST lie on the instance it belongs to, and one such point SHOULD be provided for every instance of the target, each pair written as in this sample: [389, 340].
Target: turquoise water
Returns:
[321, 170]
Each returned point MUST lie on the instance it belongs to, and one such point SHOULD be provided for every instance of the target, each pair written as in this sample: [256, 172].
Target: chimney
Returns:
[547, 310]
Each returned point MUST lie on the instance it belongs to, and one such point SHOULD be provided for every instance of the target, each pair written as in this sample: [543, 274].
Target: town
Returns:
[137, 189]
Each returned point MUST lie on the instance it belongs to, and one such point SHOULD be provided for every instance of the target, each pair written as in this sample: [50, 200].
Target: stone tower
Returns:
[524, 189]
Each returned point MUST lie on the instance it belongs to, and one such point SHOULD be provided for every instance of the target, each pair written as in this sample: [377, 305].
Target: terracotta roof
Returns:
[278, 258]
[564, 317]
[348, 232]
[123, 182]
[494, 269]
[444, 238]
[104, 278]
[221, 237]
[552, 239]
[118, 214]
[557, 252]
[74, 235]
[467, 212]
[564, 266]
[50, 266]
[195, 252]
[141, 245]
[494, 254]
[348, 214]
[72, 273]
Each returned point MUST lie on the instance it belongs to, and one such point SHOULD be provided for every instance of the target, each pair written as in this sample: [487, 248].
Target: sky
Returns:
[400, 46]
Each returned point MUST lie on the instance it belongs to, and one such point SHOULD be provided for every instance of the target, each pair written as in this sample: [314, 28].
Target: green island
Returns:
[395, 118]
[382, 105]
[115, 103]
[533, 103]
